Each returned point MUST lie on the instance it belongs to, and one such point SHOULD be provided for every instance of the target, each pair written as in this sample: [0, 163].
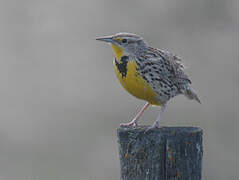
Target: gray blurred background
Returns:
[60, 101]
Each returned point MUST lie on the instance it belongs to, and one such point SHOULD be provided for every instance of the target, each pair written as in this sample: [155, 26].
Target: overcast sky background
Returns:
[60, 101]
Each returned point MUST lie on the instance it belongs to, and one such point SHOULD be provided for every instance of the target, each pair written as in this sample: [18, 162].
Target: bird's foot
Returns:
[130, 124]
[155, 126]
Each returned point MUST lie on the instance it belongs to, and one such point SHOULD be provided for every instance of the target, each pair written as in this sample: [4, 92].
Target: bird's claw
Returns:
[130, 124]
[155, 126]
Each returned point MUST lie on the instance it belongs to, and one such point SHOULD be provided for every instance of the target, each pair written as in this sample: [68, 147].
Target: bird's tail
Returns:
[190, 94]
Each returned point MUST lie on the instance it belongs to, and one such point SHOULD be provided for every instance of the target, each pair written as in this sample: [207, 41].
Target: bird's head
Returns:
[124, 44]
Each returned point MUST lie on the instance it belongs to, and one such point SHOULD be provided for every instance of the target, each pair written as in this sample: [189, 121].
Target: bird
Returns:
[149, 74]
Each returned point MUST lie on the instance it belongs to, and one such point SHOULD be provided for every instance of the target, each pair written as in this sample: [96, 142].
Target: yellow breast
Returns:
[131, 79]
[135, 84]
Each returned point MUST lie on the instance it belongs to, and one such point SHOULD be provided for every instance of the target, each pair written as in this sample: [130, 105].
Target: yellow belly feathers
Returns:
[133, 82]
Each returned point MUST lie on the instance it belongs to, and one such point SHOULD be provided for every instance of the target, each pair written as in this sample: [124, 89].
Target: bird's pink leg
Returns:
[134, 122]
[156, 123]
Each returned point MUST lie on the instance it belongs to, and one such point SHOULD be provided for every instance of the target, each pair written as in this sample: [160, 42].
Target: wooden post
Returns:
[168, 153]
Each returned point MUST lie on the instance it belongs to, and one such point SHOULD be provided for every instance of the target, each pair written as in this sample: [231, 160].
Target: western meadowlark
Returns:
[148, 73]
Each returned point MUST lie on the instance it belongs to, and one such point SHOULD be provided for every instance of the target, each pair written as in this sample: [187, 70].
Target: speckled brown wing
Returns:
[164, 72]
[179, 77]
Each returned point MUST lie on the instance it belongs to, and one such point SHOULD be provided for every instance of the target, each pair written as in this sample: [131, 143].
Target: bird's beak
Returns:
[108, 39]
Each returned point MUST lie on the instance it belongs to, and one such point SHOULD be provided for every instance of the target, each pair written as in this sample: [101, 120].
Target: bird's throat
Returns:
[119, 52]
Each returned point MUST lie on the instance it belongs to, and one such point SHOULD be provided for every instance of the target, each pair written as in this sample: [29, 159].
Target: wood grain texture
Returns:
[168, 153]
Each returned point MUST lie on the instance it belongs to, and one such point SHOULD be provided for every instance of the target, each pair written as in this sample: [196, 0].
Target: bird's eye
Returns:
[124, 40]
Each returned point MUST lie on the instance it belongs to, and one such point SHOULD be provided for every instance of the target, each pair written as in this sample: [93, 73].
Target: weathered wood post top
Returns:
[168, 153]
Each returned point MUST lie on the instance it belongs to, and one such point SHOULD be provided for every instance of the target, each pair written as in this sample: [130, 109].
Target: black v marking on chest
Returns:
[122, 65]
